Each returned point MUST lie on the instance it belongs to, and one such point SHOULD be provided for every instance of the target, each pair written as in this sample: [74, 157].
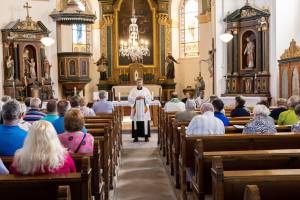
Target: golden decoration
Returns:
[292, 52]
[108, 19]
[28, 25]
[163, 18]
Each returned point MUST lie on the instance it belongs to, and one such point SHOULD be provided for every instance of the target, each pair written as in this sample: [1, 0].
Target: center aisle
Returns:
[142, 175]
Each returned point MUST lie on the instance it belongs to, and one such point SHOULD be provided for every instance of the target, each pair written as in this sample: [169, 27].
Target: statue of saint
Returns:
[32, 69]
[47, 68]
[200, 85]
[170, 67]
[26, 61]
[250, 52]
[210, 62]
[102, 64]
[10, 65]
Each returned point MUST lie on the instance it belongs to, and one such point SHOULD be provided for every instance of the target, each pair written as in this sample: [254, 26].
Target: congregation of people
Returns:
[42, 139]
[207, 115]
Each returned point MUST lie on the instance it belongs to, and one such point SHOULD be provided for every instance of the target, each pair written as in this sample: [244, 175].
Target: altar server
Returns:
[140, 98]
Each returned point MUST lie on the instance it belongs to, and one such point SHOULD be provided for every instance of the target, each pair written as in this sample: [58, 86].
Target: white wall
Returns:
[13, 10]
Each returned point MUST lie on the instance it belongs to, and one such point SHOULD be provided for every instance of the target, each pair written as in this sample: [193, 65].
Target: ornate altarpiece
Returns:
[26, 67]
[248, 52]
[289, 71]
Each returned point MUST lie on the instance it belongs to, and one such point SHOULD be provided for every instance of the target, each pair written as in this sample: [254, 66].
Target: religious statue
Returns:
[32, 71]
[26, 61]
[250, 52]
[200, 85]
[210, 62]
[170, 68]
[102, 64]
[47, 68]
[10, 68]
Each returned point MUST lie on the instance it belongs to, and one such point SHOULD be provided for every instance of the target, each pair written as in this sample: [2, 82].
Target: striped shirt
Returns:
[33, 115]
[206, 124]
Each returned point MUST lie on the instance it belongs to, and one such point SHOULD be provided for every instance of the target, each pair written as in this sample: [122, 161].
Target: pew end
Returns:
[251, 193]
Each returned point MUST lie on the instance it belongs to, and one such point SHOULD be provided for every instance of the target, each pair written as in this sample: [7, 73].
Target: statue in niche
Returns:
[200, 85]
[210, 62]
[170, 67]
[26, 61]
[250, 53]
[47, 68]
[10, 68]
[32, 71]
[102, 64]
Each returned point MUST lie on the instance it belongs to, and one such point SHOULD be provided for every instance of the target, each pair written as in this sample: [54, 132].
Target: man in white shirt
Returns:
[175, 104]
[206, 123]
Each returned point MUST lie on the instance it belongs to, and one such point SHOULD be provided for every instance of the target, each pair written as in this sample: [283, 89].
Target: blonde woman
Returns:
[42, 153]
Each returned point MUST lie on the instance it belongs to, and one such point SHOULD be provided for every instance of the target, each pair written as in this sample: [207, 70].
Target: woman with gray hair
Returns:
[289, 117]
[189, 112]
[262, 122]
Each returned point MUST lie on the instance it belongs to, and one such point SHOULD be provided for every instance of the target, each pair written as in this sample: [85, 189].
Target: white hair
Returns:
[35, 102]
[293, 101]
[42, 150]
[190, 105]
[205, 107]
[261, 110]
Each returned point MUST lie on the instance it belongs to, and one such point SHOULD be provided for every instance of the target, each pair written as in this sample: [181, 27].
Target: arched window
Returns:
[189, 28]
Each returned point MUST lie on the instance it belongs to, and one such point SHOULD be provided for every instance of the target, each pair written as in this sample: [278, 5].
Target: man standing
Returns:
[139, 98]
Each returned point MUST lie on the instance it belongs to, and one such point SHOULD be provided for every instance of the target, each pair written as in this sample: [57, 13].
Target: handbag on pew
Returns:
[76, 151]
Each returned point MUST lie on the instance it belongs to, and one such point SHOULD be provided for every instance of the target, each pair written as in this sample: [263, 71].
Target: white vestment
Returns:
[140, 110]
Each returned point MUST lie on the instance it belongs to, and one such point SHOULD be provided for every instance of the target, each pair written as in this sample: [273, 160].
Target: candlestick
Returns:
[14, 86]
[119, 96]
[152, 96]
[75, 92]
[255, 76]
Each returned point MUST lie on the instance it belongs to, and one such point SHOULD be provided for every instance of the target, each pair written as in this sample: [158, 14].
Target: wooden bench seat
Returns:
[274, 184]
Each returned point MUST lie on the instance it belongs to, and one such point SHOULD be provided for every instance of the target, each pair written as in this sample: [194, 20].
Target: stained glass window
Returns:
[189, 28]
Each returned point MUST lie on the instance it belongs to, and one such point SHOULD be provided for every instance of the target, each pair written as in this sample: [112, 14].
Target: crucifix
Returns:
[247, 2]
[27, 8]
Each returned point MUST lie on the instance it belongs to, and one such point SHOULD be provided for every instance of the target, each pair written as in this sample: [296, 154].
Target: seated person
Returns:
[219, 107]
[75, 102]
[86, 111]
[42, 153]
[240, 110]
[27, 103]
[11, 135]
[261, 122]
[22, 123]
[281, 107]
[202, 99]
[74, 139]
[103, 106]
[296, 127]
[289, 117]
[4, 99]
[264, 102]
[51, 111]
[59, 124]
[34, 113]
[175, 104]
[187, 97]
[189, 112]
[206, 123]
[3, 169]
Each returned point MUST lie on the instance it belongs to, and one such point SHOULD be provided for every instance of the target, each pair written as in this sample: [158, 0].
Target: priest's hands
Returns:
[140, 97]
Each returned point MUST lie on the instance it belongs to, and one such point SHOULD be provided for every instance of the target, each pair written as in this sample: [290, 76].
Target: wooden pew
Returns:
[230, 142]
[275, 184]
[251, 192]
[15, 187]
[238, 160]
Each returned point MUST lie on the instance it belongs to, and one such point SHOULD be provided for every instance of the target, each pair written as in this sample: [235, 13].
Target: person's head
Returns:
[75, 101]
[218, 105]
[102, 95]
[74, 120]
[264, 102]
[187, 95]
[281, 102]
[212, 98]
[240, 101]
[139, 82]
[293, 101]
[82, 102]
[174, 95]
[27, 101]
[5, 98]
[260, 109]
[51, 106]
[62, 107]
[297, 110]
[41, 150]
[11, 112]
[35, 103]
[190, 105]
[202, 93]
[206, 107]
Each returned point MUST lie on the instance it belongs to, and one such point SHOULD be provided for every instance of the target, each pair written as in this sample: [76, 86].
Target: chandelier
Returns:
[135, 49]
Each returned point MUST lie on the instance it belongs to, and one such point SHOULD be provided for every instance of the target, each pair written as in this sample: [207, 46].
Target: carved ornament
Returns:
[163, 18]
[108, 19]
[292, 52]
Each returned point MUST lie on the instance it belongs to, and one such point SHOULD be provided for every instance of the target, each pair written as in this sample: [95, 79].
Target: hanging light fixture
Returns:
[227, 36]
[47, 41]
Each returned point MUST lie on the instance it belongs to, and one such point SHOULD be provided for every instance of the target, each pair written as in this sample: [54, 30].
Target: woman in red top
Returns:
[42, 153]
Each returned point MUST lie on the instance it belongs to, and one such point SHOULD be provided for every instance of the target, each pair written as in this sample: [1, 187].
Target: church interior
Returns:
[150, 99]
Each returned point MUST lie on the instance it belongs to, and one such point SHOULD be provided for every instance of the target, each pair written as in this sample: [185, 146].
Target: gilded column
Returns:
[265, 44]
[235, 53]
[164, 39]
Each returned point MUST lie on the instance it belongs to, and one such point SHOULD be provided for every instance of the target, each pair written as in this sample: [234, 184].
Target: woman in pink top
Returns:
[74, 139]
[42, 153]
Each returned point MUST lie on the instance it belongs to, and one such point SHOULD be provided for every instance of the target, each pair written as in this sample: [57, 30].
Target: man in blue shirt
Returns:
[11, 135]
[51, 111]
[103, 106]
[59, 124]
[219, 106]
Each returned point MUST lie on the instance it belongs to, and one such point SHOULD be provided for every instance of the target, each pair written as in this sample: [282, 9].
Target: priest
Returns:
[140, 98]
